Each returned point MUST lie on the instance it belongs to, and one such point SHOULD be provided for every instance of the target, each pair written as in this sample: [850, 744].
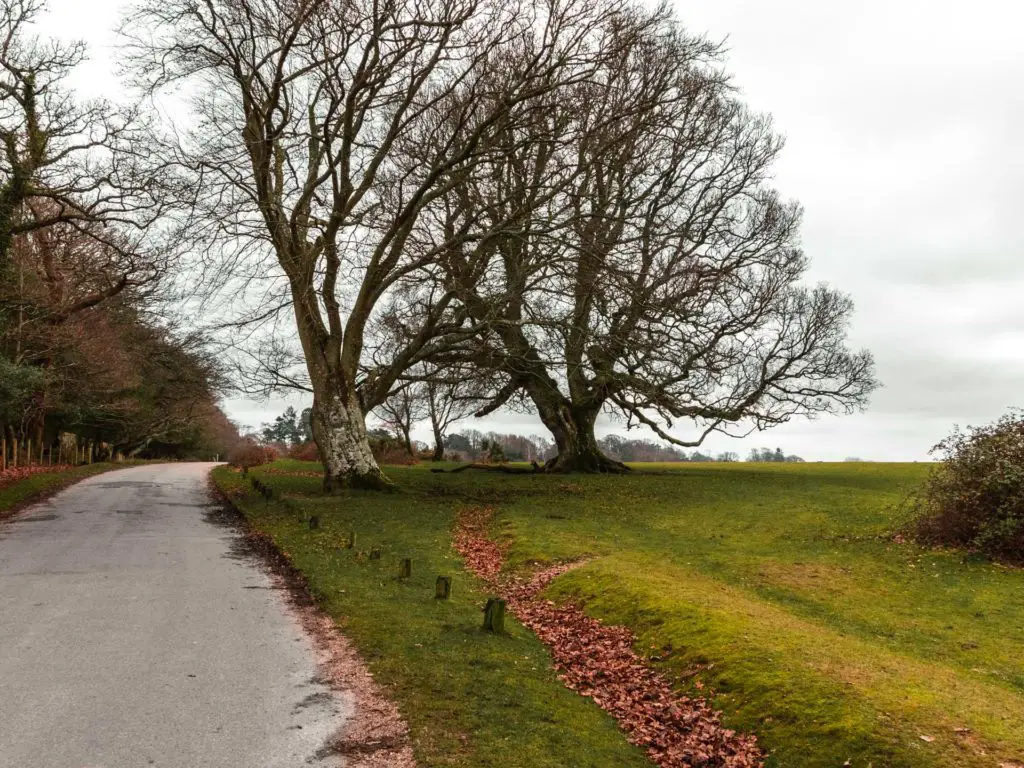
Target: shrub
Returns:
[975, 498]
[304, 452]
[389, 449]
[248, 453]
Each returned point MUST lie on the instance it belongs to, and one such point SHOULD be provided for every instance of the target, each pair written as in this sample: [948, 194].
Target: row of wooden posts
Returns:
[26, 455]
[494, 611]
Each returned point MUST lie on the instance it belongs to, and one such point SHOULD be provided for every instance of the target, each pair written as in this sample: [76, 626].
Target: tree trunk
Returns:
[573, 430]
[340, 433]
[438, 445]
[337, 419]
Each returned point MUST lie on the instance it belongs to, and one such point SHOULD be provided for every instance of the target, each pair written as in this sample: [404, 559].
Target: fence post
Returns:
[494, 615]
[443, 588]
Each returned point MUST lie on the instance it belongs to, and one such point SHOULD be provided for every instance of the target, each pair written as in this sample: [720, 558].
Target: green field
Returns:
[777, 587]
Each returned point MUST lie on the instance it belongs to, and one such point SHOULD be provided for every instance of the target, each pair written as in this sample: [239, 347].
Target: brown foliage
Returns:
[248, 453]
[304, 452]
[12, 475]
[598, 661]
[392, 454]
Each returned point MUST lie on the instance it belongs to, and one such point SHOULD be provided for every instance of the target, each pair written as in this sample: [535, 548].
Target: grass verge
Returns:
[779, 588]
[33, 488]
[471, 698]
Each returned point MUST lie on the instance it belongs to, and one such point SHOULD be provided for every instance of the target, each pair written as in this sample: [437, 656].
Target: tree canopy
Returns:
[418, 210]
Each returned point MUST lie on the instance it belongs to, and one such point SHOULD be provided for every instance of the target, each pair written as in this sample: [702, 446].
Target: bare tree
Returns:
[661, 282]
[452, 393]
[403, 410]
[325, 130]
[62, 161]
[59, 273]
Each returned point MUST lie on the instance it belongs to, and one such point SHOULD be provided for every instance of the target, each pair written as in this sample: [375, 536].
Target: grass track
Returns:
[776, 586]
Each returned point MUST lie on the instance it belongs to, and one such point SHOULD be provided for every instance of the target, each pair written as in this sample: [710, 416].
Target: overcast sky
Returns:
[905, 147]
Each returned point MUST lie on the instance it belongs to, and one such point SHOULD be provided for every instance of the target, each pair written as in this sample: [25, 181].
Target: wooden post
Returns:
[375, 553]
[494, 615]
[443, 588]
[90, 451]
[405, 568]
[28, 453]
[314, 522]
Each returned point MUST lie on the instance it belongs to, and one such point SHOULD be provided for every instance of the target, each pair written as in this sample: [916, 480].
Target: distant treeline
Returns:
[474, 445]
[293, 428]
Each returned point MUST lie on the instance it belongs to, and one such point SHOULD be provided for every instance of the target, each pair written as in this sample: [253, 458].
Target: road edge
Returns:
[64, 480]
[376, 735]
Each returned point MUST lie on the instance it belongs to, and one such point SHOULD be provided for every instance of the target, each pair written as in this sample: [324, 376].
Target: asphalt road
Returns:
[134, 634]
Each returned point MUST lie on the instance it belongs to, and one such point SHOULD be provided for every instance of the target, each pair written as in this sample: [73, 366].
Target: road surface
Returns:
[135, 633]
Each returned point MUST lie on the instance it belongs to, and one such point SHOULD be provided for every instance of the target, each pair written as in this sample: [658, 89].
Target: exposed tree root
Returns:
[534, 469]
[601, 465]
[598, 661]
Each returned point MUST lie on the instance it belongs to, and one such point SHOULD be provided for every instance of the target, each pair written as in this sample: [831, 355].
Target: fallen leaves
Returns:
[598, 661]
[12, 475]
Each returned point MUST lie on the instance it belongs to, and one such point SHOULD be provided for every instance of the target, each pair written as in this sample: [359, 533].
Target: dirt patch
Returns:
[598, 661]
[375, 736]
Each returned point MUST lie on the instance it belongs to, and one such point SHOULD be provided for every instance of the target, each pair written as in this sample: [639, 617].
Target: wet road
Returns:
[134, 633]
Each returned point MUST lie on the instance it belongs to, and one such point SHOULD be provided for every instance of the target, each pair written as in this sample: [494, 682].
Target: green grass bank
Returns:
[779, 588]
[39, 486]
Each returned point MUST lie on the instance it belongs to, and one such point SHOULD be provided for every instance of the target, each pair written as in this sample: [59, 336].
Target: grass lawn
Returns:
[40, 485]
[777, 587]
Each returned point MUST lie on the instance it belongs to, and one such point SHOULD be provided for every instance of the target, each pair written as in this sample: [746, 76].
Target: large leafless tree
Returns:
[660, 281]
[324, 129]
[81, 204]
[64, 161]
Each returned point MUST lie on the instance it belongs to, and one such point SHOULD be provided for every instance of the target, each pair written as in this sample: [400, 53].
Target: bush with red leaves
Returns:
[394, 456]
[598, 661]
[304, 452]
[249, 453]
[11, 475]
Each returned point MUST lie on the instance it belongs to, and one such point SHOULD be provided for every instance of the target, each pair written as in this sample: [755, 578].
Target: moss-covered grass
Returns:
[777, 587]
[471, 698]
[39, 486]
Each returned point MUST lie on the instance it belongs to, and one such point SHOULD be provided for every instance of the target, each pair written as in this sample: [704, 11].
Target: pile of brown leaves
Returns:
[598, 661]
[482, 556]
[11, 475]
